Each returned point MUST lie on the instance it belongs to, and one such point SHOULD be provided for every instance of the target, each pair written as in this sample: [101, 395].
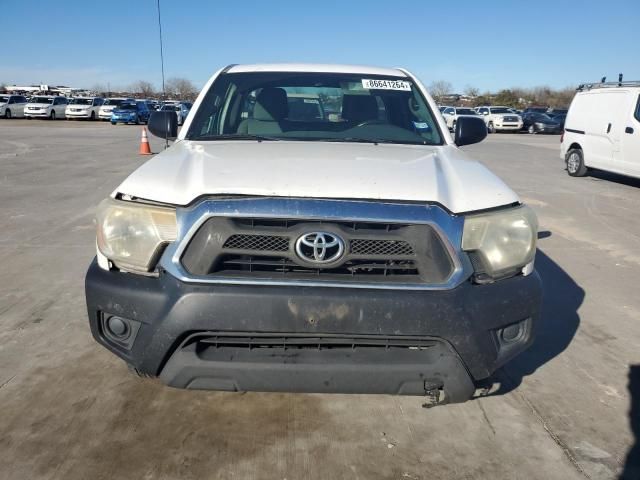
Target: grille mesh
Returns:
[268, 243]
[380, 247]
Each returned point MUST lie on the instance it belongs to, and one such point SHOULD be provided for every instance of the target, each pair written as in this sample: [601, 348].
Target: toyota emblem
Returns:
[319, 247]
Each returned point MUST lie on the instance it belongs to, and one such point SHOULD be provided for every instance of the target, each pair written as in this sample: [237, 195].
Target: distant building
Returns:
[45, 90]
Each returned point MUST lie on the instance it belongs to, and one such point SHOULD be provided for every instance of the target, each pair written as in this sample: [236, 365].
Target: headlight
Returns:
[539, 124]
[131, 235]
[504, 241]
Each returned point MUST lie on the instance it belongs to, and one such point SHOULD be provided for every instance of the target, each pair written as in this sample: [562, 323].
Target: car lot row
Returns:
[115, 109]
[499, 118]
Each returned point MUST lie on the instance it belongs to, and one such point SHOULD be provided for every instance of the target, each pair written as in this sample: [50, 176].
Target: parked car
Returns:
[557, 111]
[181, 111]
[534, 122]
[560, 118]
[535, 110]
[12, 106]
[109, 105]
[451, 115]
[370, 255]
[133, 112]
[500, 119]
[602, 130]
[84, 107]
[49, 107]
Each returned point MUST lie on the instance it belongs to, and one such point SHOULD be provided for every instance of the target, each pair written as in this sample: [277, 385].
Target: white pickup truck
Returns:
[499, 119]
[361, 252]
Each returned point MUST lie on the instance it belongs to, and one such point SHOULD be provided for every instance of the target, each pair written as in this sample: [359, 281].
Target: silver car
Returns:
[181, 109]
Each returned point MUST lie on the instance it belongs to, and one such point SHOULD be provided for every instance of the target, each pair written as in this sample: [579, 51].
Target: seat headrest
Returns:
[359, 108]
[271, 105]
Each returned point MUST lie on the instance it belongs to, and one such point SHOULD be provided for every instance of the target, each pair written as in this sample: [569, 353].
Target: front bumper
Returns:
[177, 329]
[70, 114]
[547, 129]
[122, 119]
[508, 126]
[37, 113]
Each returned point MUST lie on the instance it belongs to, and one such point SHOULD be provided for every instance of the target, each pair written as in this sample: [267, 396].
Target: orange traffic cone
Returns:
[144, 143]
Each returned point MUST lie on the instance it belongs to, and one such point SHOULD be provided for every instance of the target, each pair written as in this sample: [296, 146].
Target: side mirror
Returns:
[163, 125]
[469, 130]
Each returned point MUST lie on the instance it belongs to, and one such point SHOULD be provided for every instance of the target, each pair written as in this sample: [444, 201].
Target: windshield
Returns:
[41, 100]
[127, 106]
[466, 111]
[500, 110]
[170, 108]
[112, 101]
[292, 106]
[82, 101]
[3, 99]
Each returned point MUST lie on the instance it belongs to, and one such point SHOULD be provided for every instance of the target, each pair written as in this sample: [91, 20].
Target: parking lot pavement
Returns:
[70, 410]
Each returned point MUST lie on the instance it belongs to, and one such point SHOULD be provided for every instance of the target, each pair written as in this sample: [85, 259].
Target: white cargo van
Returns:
[602, 129]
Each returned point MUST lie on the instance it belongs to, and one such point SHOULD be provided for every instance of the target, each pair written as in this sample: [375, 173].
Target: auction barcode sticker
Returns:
[371, 84]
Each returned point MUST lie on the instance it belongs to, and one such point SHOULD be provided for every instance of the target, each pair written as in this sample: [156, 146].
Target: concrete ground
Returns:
[70, 410]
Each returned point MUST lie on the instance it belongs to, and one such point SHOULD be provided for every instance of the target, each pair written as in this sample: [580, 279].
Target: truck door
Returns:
[628, 153]
[602, 127]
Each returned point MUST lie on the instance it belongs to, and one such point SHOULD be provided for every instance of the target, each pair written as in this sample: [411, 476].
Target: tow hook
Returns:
[433, 393]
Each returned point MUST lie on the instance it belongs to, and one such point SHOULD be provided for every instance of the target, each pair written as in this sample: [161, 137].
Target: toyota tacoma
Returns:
[361, 252]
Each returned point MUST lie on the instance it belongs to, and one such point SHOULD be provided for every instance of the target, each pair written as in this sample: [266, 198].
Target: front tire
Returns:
[491, 128]
[52, 115]
[531, 129]
[453, 126]
[93, 116]
[7, 114]
[575, 163]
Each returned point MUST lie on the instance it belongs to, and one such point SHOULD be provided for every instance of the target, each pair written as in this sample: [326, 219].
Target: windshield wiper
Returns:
[235, 136]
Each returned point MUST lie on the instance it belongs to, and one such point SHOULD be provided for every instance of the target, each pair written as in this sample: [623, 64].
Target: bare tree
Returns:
[470, 91]
[181, 88]
[144, 88]
[440, 89]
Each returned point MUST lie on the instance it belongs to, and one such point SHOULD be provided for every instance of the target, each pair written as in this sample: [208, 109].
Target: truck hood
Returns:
[440, 174]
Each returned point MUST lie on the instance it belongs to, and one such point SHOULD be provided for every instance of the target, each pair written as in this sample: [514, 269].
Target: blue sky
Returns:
[486, 44]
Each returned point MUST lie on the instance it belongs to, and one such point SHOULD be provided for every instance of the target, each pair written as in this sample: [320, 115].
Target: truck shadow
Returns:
[631, 469]
[601, 175]
[559, 321]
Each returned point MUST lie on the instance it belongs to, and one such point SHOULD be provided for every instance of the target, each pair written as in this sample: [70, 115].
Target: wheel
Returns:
[453, 126]
[93, 116]
[491, 128]
[7, 114]
[113, 123]
[137, 121]
[575, 163]
[531, 129]
[53, 115]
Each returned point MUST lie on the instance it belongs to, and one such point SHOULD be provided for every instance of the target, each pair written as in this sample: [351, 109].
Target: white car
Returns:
[84, 107]
[602, 129]
[451, 115]
[500, 119]
[12, 106]
[267, 252]
[42, 106]
[109, 105]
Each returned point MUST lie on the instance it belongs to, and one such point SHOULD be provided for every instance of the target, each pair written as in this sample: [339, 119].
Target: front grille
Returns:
[267, 243]
[292, 341]
[284, 266]
[380, 247]
[265, 249]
